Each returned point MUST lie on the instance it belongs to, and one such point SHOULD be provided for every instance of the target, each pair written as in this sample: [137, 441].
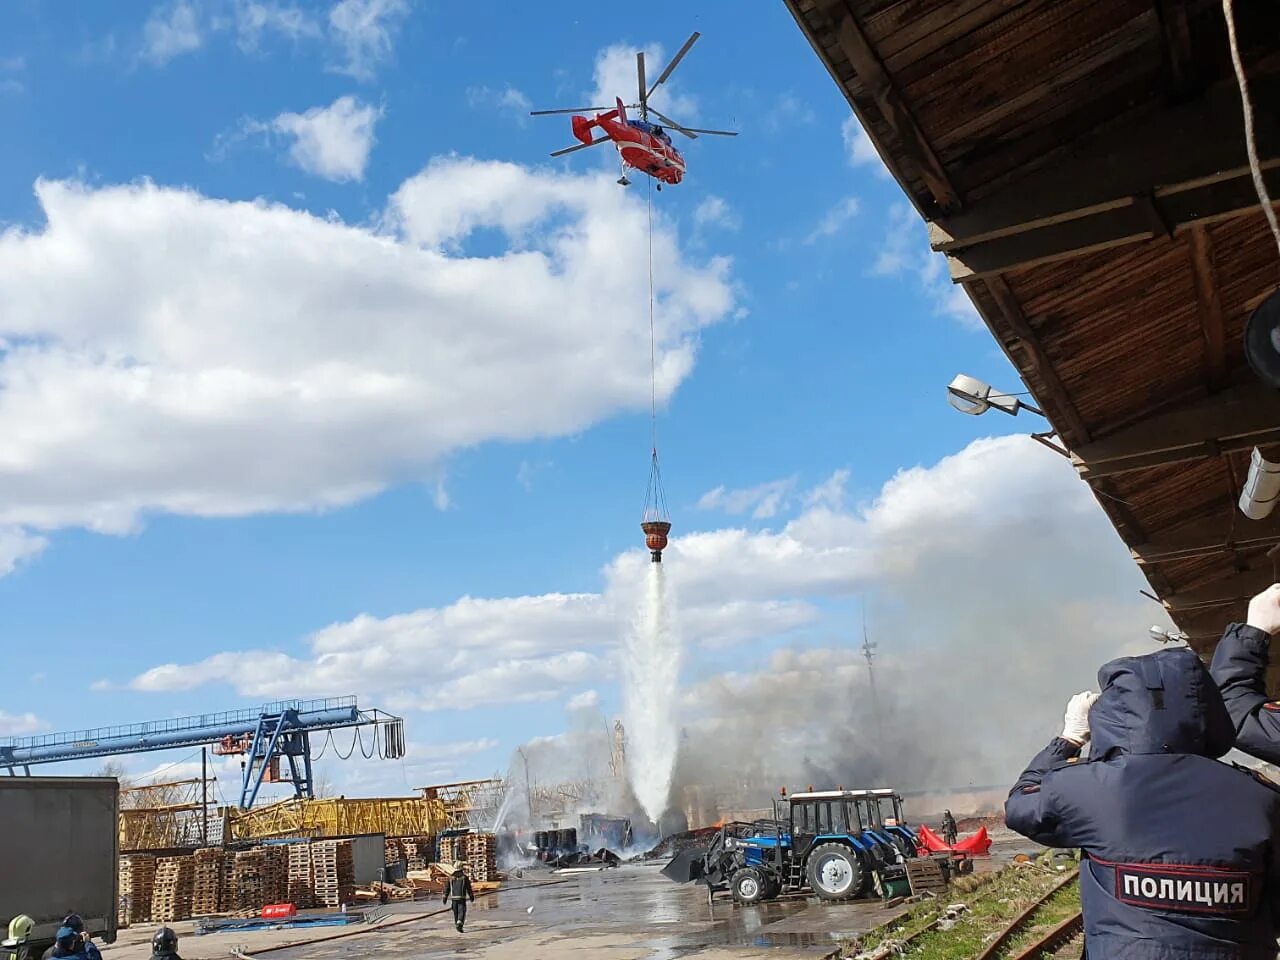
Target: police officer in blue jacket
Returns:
[1240, 670]
[1178, 857]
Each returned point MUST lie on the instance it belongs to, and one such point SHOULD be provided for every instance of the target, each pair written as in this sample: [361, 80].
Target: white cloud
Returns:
[508, 101]
[17, 546]
[364, 31]
[332, 142]
[101, 686]
[20, 724]
[830, 493]
[905, 252]
[834, 220]
[716, 211]
[862, 152]
[254, 19]
[966, 565]
[586, 700]
[169, 352]
[764, 501]
[171, 31]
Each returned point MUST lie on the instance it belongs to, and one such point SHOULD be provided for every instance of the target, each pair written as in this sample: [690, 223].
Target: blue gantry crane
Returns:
[263, 735]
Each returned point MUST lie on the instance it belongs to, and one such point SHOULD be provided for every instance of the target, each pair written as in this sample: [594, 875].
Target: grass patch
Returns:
[993, 901]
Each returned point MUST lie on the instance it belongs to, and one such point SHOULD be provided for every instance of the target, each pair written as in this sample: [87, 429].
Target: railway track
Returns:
[1060, 942]
[1056, 938]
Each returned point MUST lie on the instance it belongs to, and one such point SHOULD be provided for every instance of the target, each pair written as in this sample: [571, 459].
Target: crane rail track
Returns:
[1055, 939]
[1058, 936]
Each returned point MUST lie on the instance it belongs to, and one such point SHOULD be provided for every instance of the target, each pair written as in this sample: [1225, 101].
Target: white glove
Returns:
[1075, 725]
[1264, 610]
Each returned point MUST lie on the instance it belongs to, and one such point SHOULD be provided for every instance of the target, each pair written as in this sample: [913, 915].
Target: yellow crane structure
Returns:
[337, 817]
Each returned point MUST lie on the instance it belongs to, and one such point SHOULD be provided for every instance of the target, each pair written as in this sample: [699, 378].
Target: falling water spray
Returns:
[651, 674]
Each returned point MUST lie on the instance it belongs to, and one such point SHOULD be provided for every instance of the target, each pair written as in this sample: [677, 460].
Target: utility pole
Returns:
[868, 651]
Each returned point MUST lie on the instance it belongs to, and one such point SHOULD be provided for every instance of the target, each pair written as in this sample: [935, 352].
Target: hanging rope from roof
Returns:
[1251, 145]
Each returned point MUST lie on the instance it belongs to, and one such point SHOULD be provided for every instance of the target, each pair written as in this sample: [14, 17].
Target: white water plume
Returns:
[651, 674]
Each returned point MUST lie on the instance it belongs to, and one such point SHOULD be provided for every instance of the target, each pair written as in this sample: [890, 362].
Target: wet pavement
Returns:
[628, 913]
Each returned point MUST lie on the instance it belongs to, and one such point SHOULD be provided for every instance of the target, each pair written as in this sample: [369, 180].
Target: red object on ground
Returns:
[279, 911]
[976, 844]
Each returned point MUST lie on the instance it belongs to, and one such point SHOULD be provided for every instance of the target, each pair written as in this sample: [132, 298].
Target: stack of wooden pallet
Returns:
[479, 852]
[137, 882]
[450, 850]
[302, 892]
[206, 894]
[171, 895]
[253, 881]
[393, 852]
[334, 871]
[417, 853]
[227, 891]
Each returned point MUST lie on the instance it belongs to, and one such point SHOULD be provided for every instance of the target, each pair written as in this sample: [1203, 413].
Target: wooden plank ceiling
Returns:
[1081, 164]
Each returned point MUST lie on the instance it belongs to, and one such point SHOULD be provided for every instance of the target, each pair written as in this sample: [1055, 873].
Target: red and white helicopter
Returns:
[643, 146]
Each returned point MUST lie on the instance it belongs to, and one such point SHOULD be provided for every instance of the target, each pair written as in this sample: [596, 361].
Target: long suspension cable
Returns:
[1251, 145]
[653, 351]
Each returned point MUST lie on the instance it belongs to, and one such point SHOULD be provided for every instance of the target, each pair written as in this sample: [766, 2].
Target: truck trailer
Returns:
[59, 853]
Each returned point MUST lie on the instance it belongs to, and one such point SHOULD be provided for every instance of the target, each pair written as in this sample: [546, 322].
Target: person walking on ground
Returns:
[1178, 860]
[164, 945]
[457, 889]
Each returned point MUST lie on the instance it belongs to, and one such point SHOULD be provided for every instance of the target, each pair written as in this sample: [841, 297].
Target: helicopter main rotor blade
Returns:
[547, 113]
[580, 146]
[716, 133]
[675, 62]
[640, 76]
[687, 131]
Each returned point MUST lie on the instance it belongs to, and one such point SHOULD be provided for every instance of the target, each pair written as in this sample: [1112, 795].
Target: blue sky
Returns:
[415, 370]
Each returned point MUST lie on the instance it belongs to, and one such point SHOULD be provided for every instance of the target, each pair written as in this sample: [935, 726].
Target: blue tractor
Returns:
[840, 844]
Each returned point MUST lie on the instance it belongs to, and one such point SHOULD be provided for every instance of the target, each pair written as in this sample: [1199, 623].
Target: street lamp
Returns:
[1161, 635]
[974, 397]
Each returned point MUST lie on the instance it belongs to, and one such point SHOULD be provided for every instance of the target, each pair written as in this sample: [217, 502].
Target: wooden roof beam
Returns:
[1181, 67]
[1212, 322]
[1185, 165]
[1223, 592]
[1217, 533]
[1236, 419]
[893, 107]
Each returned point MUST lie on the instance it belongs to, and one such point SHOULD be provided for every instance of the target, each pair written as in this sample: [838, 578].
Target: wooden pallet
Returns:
[171, 894]
[302, 892]
[206, 895]
[137, 884]
[925, 873]
[333, 872]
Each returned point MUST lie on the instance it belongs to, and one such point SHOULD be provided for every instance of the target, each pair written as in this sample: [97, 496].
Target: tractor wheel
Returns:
[748, 886]
[834, 872]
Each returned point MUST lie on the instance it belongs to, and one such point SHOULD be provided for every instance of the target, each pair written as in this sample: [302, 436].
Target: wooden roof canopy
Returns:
[1082, 165]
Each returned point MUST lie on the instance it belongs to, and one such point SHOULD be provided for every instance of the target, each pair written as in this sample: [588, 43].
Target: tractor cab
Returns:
[881, 811]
